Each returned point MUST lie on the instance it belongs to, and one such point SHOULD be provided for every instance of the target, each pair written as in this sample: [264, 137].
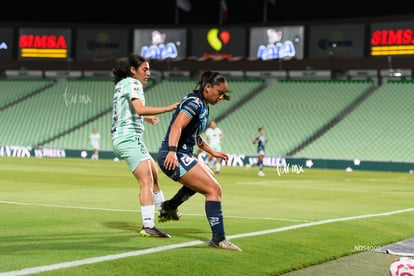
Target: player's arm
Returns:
[180, 122]
[205, 147]
[201, 143]
[143, 110]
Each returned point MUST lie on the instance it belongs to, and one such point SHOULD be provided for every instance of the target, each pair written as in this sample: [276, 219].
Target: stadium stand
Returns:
[163, 93]
[378, 129]
[54, 111]
[303, 118]
[15, 90]
[174, 89]
[290, 111]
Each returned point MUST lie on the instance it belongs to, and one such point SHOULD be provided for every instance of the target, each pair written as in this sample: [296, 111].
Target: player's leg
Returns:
[261, 165]
[157, 192]
[144, 176]
[218, 165]
[201, 180]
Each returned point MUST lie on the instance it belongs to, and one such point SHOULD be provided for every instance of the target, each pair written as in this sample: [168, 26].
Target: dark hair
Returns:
[213, 78]
[122, 66]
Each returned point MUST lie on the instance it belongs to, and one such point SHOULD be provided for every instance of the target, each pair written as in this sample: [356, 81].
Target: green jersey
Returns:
[125, 120]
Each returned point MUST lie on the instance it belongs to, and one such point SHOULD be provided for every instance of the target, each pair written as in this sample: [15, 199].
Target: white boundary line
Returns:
[39, 269]
[65, 206]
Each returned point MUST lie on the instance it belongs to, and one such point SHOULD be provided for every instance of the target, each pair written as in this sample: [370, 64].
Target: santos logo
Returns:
[3, 46]
[217, 39]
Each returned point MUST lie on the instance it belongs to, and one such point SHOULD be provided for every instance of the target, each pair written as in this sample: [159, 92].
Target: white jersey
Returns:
[213, 136]
[94, 139]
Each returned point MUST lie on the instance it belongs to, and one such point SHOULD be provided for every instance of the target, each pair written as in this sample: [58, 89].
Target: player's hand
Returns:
[153, 120]
[171, 161]
[222, 155]
[173, 106]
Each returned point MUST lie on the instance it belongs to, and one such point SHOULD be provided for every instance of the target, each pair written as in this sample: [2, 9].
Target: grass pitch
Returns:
[81, 217]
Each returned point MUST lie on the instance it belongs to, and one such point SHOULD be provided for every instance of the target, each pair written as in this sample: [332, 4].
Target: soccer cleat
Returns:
[168, 213]
[153, 232]
[225, 244]
[261, 173]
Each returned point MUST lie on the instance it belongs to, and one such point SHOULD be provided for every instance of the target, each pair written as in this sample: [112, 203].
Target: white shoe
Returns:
[261, 173]
[225, 244]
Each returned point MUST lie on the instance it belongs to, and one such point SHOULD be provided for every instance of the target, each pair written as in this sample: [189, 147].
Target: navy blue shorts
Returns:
[185, 163]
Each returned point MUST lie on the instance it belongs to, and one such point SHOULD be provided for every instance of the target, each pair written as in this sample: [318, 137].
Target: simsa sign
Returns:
[392, 39]
[44, 43]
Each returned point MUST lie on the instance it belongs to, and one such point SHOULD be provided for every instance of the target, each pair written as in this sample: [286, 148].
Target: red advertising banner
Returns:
[392, 39]
[44, 43]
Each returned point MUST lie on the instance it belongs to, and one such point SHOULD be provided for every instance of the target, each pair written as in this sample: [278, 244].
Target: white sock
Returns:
[158, 199]
[148, 215]
[217, 167]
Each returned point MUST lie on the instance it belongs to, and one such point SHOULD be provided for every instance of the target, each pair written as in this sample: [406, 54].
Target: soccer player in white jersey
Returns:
[128, 116]
[214, 135]
[94, 140]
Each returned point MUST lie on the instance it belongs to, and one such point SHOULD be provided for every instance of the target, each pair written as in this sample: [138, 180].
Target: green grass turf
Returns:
[61, 210]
